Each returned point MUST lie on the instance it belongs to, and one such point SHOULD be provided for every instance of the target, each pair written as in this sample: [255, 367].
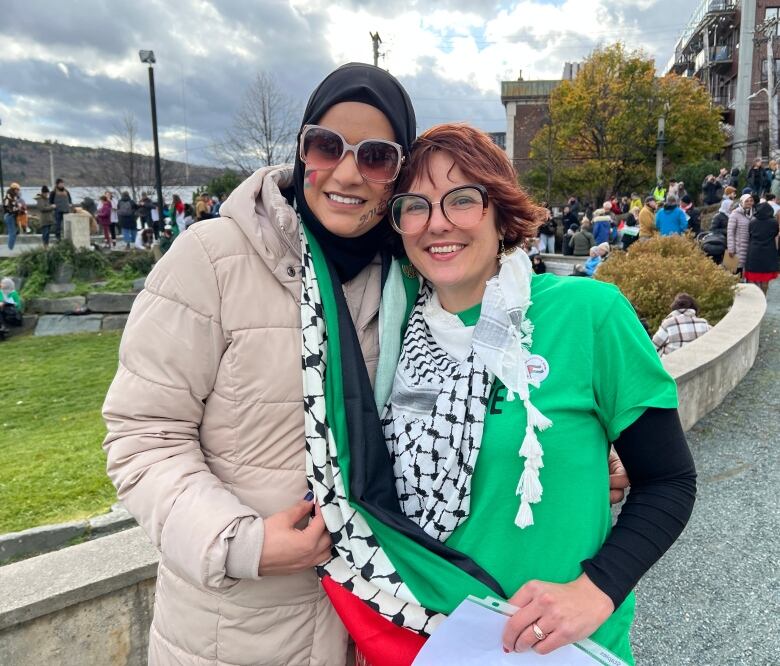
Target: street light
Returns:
[147, 57]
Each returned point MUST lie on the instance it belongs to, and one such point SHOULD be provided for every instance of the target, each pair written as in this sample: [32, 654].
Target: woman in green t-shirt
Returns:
[509, 390]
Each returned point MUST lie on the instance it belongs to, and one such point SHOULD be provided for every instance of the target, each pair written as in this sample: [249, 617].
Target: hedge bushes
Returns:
[653, 272]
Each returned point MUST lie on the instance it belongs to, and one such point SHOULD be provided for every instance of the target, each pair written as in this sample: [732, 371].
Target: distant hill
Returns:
[27, 162]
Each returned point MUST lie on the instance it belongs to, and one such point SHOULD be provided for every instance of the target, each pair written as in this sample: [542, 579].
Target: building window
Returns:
[764, 72]
[770, 13]
[763, 137]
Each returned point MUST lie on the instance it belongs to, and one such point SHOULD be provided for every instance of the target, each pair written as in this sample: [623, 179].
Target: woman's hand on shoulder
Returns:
[618, 478]
[552, 615]
[288, 549]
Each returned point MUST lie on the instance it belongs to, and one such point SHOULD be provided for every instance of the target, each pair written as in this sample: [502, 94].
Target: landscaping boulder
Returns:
[76, 229]
[114, 322]
[55, 288]
[56, 305]
[109, 302]
[64, 324]
[63, 274]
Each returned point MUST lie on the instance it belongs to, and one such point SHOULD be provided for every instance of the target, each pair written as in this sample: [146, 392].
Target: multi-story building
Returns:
[527, 105]
[722, 46]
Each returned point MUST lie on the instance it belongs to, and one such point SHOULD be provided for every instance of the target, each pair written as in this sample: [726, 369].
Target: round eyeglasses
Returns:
[378, 160]
[464, 206]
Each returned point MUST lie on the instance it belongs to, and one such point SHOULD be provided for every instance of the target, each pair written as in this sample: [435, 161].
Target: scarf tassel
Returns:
[529, 485]
[531, 448]
[524, 517]
[536, 418]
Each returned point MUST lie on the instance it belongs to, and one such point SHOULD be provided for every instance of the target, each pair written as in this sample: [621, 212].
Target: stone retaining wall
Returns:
[87, 604]
[708, 368]
[107, 312]
[91, 603]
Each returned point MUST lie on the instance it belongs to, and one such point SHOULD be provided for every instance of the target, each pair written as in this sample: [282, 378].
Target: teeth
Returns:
[444, 249]
[345, 200]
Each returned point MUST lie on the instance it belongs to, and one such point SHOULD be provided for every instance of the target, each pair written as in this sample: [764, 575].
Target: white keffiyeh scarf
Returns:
[434, 419]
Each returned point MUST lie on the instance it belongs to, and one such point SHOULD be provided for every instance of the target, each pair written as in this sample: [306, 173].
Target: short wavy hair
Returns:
[482, 162]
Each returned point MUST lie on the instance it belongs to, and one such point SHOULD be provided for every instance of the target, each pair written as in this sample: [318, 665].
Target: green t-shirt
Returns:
[603, 373]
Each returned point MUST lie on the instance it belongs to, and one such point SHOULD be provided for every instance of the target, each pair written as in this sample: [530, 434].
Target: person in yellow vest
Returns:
[659, 193]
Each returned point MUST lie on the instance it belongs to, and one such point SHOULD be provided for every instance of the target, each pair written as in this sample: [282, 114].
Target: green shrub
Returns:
[653, 272]
[139, 262]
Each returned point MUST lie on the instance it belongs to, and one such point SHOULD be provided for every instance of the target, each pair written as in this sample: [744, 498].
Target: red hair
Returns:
[484, 163]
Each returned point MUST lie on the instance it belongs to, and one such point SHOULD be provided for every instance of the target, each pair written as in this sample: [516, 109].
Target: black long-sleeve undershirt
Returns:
[659, 465]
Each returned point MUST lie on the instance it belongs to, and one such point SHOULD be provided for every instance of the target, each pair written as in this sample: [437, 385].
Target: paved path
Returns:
[714, 599]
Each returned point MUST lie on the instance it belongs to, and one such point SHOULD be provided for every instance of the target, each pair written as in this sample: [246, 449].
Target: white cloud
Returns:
[451, 54]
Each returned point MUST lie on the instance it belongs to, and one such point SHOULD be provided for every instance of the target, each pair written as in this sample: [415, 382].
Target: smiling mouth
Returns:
[339, 198]
[445, 249]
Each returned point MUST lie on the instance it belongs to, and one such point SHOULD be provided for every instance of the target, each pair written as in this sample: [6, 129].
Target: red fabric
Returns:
[750, 276]
[380, 642]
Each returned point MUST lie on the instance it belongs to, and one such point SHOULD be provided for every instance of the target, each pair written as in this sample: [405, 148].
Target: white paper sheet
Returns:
[472, 635]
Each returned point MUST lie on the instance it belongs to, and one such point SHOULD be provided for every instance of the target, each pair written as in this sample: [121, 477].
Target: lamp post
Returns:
[147, 57]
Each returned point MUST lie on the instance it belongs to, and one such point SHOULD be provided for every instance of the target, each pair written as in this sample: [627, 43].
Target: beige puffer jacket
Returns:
[206, 435]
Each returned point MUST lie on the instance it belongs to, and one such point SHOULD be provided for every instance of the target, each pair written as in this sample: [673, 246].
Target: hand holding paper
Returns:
[471, 635]
[565, 613]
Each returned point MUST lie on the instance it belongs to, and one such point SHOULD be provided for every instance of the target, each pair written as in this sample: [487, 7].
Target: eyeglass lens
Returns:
[463, 207]
[376, 159]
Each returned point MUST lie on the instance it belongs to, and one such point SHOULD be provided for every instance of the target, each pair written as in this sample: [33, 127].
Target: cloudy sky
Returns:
[71, 70]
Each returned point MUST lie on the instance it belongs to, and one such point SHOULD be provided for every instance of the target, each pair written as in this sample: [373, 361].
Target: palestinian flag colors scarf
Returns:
[389, 580]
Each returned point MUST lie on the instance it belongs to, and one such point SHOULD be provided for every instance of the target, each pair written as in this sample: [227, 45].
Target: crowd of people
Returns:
[743, 234]
[117, 214]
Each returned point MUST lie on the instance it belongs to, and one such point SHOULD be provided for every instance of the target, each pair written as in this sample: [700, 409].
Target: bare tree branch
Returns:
[263, 130]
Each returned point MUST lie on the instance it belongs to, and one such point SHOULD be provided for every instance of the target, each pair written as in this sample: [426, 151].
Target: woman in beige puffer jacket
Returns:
[205, 415]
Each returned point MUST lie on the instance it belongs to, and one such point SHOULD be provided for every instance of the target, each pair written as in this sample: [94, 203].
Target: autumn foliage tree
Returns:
[601, 134]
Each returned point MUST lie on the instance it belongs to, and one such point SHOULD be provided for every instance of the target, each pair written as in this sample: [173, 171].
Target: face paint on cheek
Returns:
[309, 179]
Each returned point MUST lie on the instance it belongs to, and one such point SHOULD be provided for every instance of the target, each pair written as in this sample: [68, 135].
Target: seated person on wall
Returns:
[166, 240]
[10, 306]
[681, 326]
[144, 240]
[597, 255]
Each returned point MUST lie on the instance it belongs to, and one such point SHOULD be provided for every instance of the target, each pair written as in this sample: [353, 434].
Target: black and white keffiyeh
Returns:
[434, 419]
[433, 425]
[361, 565]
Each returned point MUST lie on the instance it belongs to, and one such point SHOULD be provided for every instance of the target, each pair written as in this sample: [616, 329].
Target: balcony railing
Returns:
[723, 101]
[699, 15]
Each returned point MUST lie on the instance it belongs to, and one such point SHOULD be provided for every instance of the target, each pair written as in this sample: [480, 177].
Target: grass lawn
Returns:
[52, 466]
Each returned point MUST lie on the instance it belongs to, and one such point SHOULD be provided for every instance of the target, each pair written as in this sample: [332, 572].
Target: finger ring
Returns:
[540, 635]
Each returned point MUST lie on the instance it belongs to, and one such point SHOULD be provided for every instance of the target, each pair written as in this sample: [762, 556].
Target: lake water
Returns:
[78, 193]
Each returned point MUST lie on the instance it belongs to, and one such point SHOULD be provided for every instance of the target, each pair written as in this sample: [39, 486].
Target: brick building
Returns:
[722, 47]
[527, 110]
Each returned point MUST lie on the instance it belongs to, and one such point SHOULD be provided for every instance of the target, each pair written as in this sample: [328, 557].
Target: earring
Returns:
[501, 249]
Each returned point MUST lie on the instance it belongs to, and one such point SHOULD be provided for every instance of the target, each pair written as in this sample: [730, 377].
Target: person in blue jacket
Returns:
[670, 220]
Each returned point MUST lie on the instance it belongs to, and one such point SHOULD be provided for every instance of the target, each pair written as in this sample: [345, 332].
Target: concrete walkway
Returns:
[714, 598]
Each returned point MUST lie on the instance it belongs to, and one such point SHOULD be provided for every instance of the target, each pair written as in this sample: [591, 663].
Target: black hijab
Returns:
[354, 82]
[763, 211]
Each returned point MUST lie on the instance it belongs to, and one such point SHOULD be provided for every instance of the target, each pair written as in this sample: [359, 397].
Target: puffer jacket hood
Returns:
[263, 215]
